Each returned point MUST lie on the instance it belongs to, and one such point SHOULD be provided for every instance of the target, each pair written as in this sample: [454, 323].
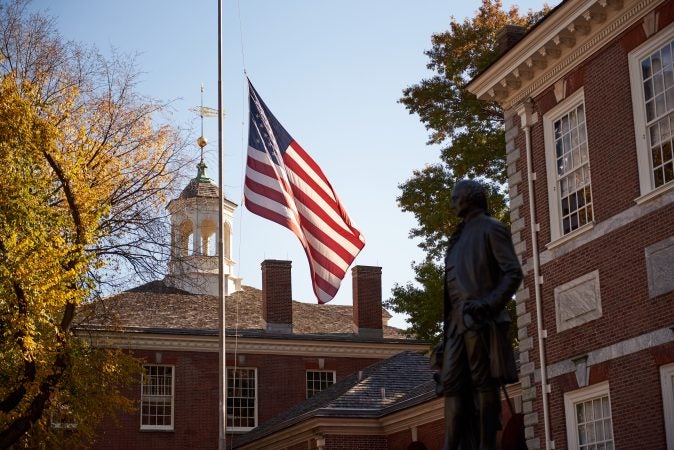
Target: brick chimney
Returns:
[277, 296]
[508, 36]
[367, 310]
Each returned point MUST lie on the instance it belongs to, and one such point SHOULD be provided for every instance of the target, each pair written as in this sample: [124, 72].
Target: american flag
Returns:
[285, 185]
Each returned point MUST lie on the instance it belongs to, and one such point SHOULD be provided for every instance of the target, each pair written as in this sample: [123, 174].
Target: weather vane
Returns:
[203, 111]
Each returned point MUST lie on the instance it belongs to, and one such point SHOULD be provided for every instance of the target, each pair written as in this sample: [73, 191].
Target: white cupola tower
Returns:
[193, 266]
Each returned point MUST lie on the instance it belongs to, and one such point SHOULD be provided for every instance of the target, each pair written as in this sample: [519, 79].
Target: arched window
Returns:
[208, 247]
[184, 242]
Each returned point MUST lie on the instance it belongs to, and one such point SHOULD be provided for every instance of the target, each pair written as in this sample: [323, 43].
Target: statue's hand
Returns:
[478, 309]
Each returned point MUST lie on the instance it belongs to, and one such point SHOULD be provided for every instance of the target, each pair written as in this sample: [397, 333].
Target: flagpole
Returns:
[222, 370]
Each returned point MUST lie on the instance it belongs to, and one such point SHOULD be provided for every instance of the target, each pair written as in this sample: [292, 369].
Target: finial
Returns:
[201, 172]
[203, 111]
[201, 141]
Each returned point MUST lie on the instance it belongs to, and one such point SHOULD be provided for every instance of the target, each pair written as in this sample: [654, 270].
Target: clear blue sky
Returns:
[330, 71]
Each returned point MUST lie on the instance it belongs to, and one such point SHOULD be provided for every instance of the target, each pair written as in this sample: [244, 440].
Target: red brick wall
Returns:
[281, 384]
[432, 435]
[339, 442]
[277, 292]
[636, 401]
[627, 311]
[366, 287]
[196, 407]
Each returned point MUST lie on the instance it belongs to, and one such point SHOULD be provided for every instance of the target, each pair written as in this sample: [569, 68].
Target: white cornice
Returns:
[251, 345]
[414, 416]
[572, 33]
[317, 427]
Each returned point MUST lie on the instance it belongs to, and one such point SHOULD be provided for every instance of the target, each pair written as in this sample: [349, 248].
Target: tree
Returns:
[85, 171]
[471, 132]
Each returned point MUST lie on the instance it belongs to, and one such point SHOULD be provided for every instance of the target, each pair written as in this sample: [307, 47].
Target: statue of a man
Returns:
[482, 274]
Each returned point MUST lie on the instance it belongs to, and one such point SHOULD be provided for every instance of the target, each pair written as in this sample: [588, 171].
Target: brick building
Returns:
[279, 352]
[588, 95]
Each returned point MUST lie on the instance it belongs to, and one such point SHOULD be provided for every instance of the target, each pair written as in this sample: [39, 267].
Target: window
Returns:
[317, 380]
[667, 380]
[156, 398]
[652, 82]
[568, 166]
[241, 399]
[588, 418]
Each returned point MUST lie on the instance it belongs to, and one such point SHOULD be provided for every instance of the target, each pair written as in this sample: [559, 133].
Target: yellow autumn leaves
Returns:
[84, 172]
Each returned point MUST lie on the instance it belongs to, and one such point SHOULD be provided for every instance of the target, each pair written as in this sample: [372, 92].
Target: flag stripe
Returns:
[311, 169]
[305, 184]
[320, 241]
[285, 185]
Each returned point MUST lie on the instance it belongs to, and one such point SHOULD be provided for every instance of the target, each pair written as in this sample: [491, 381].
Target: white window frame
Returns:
[667, 383]
[556, 235]
[257, 396]
[646, 183]
[142, 396]
[578, 396]
[334, 379]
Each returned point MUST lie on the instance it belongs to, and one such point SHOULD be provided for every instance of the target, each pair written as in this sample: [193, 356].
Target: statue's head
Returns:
[467, 196]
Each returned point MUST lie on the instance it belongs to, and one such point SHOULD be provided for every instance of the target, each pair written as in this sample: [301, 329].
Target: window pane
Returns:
[665, 132]
[660, 105]
[656, 62]
[659, 176]
[656, 155]
[669, 172]
[608, 430]
[580, 417]
[666, 54]
[650, 110]
[654, 134]
[565, 125]
[581, 114]
[669, 95]
[582, 436]
[648, 89]
[646, 68]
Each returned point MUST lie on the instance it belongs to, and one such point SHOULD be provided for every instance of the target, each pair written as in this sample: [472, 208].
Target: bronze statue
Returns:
[482, 274]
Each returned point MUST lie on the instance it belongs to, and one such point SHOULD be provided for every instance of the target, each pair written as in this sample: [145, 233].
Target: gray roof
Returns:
[198, 188]
[398, 382]
[155, 307]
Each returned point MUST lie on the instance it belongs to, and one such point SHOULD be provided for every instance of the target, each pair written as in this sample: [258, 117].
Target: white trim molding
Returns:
[572, 33]
[645, 341]
[251, 345]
